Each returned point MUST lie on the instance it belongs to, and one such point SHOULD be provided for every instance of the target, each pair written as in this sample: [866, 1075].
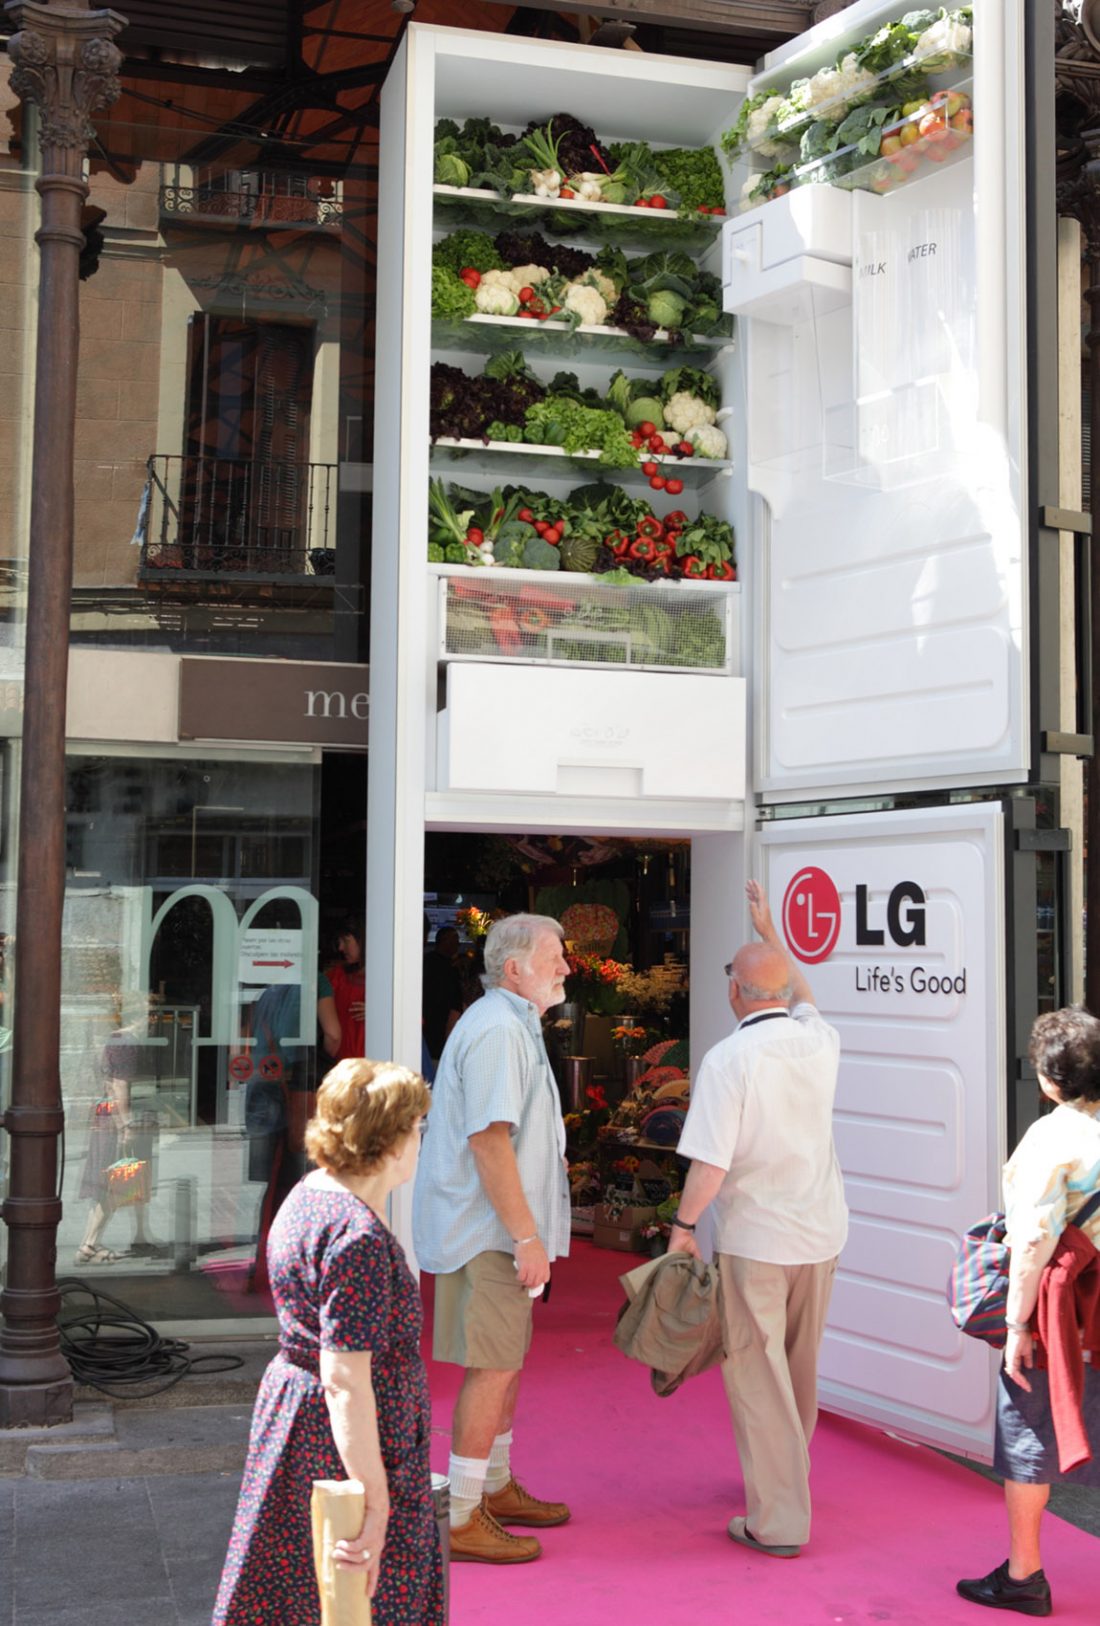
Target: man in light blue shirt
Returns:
[490, 1214]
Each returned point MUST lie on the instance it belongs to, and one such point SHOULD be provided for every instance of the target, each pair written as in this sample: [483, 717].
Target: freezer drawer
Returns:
[587, 733]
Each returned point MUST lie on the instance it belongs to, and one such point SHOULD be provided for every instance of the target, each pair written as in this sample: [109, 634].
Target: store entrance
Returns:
[619, 1045]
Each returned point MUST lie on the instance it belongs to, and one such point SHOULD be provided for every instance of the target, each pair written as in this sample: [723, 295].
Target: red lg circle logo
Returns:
[811, 915]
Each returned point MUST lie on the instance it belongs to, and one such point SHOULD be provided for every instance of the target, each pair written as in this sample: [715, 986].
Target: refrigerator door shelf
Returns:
[590, 734]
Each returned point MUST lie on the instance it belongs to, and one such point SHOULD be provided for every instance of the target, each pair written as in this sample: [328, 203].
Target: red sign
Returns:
[271, 1067]
[811, 915]
[240, 1067]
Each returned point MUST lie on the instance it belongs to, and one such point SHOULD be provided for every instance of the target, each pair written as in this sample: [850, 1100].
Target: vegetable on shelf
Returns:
[596, 530]
[871, 119]
[563, 158]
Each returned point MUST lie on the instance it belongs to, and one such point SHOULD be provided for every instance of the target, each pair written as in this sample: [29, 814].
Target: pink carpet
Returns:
[652, 1484]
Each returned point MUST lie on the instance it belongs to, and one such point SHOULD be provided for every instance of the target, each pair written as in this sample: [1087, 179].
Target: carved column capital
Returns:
[65, 62]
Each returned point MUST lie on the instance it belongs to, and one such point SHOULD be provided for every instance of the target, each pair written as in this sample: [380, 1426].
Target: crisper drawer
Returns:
[525, 730]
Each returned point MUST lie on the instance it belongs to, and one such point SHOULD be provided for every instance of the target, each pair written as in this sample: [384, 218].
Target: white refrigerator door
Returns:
[898, 919]
[887, 443]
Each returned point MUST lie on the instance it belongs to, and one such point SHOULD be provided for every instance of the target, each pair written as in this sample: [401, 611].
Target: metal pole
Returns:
[1092, 767]
[65, 63]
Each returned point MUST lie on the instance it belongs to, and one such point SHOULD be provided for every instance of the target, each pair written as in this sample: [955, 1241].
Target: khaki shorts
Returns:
[482, 1315]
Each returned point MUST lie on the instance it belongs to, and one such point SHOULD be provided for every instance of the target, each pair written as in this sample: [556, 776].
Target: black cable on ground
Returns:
[112, 1349]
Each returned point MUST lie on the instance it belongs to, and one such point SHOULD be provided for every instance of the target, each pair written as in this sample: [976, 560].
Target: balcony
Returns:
[256, 198]
[214, 517]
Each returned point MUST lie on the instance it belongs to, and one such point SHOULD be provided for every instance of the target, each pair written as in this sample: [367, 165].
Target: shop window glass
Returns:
[188, 1055]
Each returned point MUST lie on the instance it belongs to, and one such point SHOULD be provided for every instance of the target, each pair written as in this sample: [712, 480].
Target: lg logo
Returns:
[811, 916]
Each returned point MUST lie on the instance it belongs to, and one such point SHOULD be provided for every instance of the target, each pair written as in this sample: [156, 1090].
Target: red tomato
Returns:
[646, 429]
[674, 487]
[686, 449]
[658, 201]
[658, 482]
[475, 535]
[525, 295]
[650, 469]
[470, 276]
[526, 515]
[567, 192]
[657, 443]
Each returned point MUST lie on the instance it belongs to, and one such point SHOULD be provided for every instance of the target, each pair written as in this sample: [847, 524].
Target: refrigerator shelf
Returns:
[618, 223]
[498, 456]
[780, 142]
[557, 341]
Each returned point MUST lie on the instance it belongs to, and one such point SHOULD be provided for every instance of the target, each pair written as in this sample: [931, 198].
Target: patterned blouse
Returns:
[1052, 1173]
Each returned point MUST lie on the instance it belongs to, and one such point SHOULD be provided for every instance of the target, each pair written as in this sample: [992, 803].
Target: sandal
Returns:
[87, 1255]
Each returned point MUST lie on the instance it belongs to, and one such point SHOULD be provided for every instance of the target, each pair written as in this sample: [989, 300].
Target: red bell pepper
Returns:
[694, 568]
[645, 548]
[618, 542]
[533, 619]
[650, 527]
[723, 572]
[505, 628]
[664, 547]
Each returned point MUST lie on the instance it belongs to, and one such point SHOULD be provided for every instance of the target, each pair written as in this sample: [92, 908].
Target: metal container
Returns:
[578, 1076]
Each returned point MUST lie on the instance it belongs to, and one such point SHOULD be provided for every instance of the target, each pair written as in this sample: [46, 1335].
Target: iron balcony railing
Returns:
[214, 516]
[252, 197]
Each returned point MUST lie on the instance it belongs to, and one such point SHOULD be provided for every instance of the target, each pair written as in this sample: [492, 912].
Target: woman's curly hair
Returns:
[365, 1109]
[1065, 1047]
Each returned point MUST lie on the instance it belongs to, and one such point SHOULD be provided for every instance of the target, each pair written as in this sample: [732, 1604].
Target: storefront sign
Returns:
[288, 702]
[270, 956]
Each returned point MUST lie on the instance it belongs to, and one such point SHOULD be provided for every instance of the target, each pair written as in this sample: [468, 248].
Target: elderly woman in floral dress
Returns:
[346, 1397]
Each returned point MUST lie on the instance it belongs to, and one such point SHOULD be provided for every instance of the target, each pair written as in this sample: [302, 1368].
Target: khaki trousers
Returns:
[774, 1318]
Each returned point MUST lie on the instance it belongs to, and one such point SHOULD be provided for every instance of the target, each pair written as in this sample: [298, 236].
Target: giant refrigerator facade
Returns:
[866, 716]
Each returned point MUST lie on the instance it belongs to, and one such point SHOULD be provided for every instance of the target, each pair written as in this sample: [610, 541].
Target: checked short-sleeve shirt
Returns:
[494, 1069]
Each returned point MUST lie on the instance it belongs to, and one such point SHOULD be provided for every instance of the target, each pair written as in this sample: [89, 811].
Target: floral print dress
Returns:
[340, 1282]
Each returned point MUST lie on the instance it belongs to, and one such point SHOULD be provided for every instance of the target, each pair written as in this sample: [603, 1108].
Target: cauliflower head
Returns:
[587, 302]
[684, 412]
[708, 440]
[528, 276]
[595, 278]
[502, 279]
[495, 299]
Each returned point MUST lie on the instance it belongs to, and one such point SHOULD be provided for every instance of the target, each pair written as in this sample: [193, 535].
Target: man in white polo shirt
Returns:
[759, 1132]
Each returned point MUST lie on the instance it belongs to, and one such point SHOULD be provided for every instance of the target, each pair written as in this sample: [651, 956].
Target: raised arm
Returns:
[764, 925]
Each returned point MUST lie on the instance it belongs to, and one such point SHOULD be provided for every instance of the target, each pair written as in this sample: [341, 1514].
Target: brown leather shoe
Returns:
[514, 1505]
[481, 1541]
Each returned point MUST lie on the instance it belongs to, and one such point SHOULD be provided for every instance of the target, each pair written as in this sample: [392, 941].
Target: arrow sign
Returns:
[269, 956]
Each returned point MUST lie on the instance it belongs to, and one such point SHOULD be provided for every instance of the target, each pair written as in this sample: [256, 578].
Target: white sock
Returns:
[467, 1476]
[500, 1463]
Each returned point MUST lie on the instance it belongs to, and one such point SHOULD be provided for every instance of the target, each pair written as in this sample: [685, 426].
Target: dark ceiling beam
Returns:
[775, 20]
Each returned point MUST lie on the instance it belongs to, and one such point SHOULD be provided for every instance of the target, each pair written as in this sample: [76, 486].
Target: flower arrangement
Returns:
[473, 922]
[630, 1040]
[594, 981]
[650, 993]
